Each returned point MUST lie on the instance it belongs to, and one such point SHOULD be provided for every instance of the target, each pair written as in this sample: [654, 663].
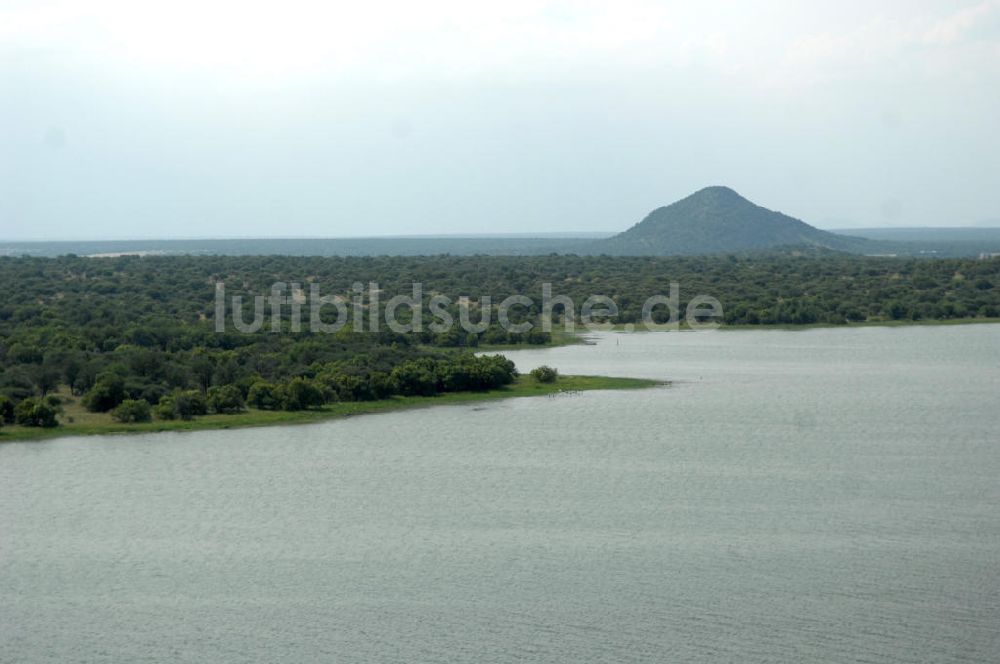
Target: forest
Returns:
[136, 336]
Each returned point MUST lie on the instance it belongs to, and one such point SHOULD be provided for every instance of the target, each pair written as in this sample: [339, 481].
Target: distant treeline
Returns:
[917, 242]
[142, 329]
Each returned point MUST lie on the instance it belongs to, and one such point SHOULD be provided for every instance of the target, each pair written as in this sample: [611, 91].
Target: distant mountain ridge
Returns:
[719, 220]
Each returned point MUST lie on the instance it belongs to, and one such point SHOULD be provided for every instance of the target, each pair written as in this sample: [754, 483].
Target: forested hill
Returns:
[718, 220]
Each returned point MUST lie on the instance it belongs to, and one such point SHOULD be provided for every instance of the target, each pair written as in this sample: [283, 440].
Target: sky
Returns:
[123, 119]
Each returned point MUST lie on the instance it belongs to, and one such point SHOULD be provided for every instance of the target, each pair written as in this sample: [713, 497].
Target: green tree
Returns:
[107, 392]
[416, 377]
[166, 409]
[380, 385]
[16, 384]
[47, 378]
[226, 399]
[301, 394]
[34, 412]
[192, 402]
[132, 410]
[182, 404]
[265, 396]
[6, 409]
[21, 353]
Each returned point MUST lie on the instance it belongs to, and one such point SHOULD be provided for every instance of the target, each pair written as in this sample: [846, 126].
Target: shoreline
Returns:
[623, 328]
[868, 323]
[102, 424]
[525, 386]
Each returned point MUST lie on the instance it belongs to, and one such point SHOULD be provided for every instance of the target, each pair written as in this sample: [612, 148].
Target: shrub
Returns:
[345, 386]
[6, 409]
[16, 384]
[132, 410]
[380, 385]
[538, 337]
[302, 393]
[166, 409]
[416, 377]
[152, 393]
[226, 399]
[35, 413]
[265, 396]
[545, 374]
[107, 392]
[194, 401]
[468, 372]
[182, 404]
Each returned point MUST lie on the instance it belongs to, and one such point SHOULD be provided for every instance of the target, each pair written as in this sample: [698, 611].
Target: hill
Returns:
[711, 221]
[718, 220]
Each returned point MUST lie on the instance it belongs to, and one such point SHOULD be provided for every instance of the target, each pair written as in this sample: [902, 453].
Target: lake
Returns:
[819, 495]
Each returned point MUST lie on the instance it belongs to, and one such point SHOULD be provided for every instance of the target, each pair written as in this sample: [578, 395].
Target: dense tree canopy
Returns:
[143, 328]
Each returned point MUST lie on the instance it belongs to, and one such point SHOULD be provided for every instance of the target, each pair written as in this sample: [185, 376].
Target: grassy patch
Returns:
[77, 421]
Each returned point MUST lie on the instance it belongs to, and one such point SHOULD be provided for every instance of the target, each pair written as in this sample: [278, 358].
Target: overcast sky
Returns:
[192, 118]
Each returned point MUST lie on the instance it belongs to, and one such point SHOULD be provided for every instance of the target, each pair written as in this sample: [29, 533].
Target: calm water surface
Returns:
[824, 495]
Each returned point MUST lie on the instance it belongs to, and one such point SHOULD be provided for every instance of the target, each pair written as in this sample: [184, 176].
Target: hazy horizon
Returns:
[430, 236]
[307, 119]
